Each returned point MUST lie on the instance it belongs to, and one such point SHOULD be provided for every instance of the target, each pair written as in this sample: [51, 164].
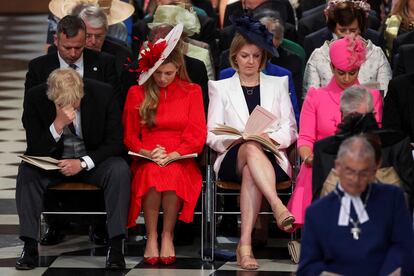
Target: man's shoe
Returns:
[114, 259]
[27, 260]
[98, 235]
[52, 236]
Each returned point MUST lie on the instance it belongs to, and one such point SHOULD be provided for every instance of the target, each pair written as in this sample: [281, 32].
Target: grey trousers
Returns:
[113, 176]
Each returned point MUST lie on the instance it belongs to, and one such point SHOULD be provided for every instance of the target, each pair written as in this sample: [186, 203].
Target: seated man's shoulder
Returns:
[99, 56]
[97, 87]
[36, 91]
[43, 58]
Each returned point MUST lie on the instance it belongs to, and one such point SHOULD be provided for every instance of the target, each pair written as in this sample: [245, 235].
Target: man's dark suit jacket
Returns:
[309, 6]
[282, 6]
[316, 39]
[198, 74]
[398, 113]
[405, 60]
[120, 52]
[402, 39]
[208, 34]
[100, 120]
[97, 65]
[395, 153]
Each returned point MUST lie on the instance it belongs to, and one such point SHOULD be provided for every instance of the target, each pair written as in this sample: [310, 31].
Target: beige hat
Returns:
[115, 10]
[149, 53]
[172, 15]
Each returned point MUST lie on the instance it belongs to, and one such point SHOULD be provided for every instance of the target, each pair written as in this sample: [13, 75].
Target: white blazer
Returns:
[228, 106]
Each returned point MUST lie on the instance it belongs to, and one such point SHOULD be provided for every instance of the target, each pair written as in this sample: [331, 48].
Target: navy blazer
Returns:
[100, 119]
[272, 70]
[386, 241]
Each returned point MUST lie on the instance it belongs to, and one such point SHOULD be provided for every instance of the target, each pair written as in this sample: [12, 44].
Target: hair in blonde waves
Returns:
[64, 87]
[149, 106]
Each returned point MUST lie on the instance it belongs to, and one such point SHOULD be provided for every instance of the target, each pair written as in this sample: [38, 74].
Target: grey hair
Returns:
[358, 148]
[92, 14]
[274, 26]
[353, 97]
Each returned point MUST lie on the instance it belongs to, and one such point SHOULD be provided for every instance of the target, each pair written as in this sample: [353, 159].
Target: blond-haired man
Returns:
[78, 122]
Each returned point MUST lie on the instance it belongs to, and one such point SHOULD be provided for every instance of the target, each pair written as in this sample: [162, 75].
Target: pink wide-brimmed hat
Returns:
[347, 53]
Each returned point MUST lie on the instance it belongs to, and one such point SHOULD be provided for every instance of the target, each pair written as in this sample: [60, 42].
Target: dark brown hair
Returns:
[344, 14]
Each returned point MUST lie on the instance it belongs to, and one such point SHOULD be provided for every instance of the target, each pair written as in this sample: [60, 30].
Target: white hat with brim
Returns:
[115, 10]
[171, 39]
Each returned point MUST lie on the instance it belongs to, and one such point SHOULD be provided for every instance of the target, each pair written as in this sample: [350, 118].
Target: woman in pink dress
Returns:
[321, 115]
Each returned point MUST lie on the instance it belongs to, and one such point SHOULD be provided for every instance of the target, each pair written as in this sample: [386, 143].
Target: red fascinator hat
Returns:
[152, 56]
[347, 53]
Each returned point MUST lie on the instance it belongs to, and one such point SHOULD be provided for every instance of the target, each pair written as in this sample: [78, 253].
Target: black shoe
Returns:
[114, 259]
[27, 260]
[52, 236]
[98, 235]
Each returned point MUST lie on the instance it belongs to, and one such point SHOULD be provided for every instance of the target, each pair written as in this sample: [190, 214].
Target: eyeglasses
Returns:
[98, 37]
[363, 174]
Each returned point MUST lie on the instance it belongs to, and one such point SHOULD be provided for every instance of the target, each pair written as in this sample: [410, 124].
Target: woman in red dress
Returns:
[163, 119]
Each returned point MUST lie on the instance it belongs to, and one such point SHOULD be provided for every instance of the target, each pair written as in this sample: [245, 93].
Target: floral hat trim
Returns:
[359, 4]
[150, 55]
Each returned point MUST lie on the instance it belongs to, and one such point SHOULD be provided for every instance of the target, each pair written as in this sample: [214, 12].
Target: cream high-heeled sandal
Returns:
[284, 219]
[243, 251]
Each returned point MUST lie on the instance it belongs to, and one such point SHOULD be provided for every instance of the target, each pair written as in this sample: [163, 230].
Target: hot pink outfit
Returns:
[319, 118]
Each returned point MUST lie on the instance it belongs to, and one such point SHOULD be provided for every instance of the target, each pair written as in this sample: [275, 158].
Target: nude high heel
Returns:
[284, 219]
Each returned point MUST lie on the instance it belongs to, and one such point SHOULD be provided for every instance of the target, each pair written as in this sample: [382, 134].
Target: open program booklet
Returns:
[191, 155]
[43, 162]
[258, 122]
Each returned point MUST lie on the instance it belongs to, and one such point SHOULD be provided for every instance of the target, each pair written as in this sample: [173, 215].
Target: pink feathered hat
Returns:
[347, 53]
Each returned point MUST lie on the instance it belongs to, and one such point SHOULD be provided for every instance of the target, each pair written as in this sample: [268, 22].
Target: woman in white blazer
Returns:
[231, 102]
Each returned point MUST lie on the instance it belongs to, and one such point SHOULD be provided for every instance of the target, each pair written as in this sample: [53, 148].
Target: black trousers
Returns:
[113, 176]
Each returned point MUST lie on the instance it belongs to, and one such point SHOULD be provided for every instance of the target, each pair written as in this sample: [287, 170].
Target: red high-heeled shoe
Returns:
[152, 260]
[168, 260]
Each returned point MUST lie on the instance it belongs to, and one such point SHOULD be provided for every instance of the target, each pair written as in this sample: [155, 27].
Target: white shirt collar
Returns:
[78, 63]
[345, 209]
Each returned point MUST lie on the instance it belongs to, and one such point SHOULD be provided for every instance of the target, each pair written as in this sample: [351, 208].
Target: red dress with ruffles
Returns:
[180, 126]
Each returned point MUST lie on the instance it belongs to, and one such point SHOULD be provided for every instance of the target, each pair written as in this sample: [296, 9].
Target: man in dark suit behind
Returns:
[398, 113]
[404, 60]
[71, 52]
[70, 42]
[78, 123]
